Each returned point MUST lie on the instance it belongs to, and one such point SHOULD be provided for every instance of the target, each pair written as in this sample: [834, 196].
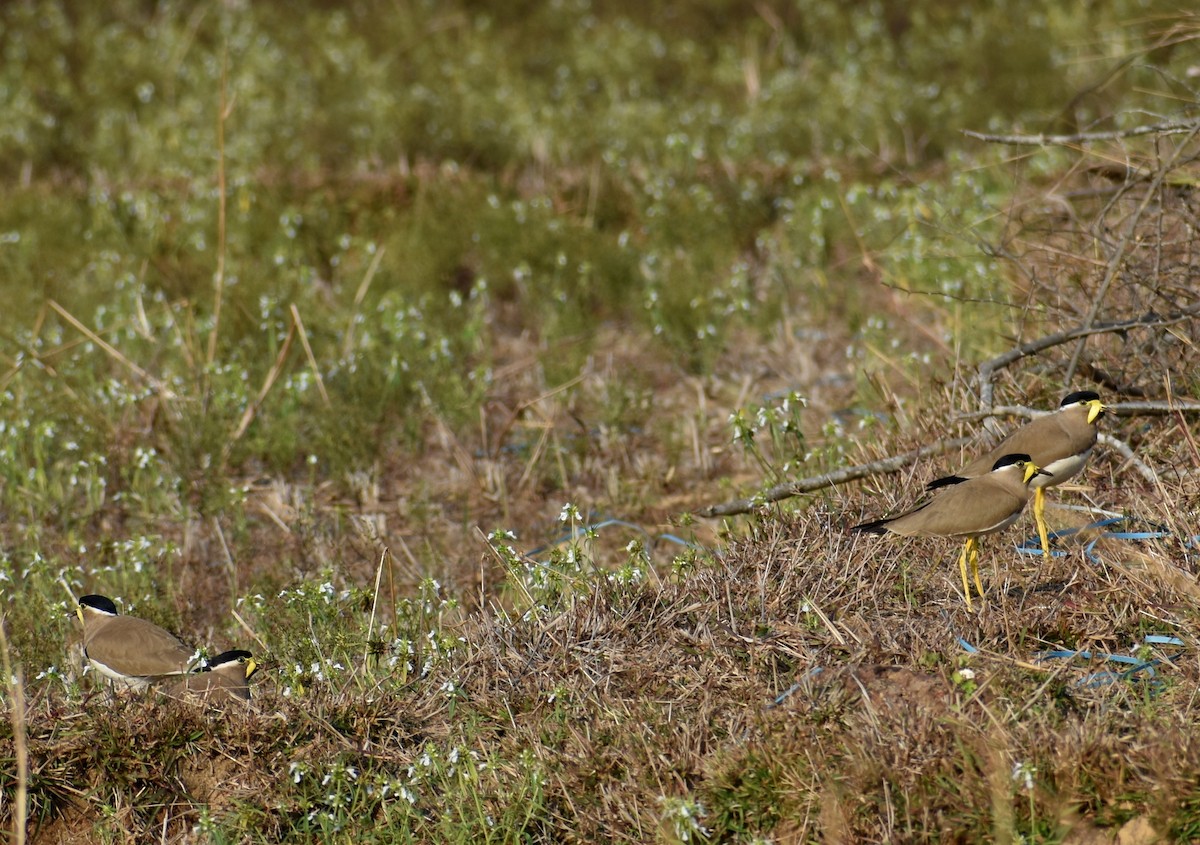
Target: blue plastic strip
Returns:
[1139, 666]
[1163, 639]
[582, 530]
[787, 693]
[1033, 545]
[688, 544]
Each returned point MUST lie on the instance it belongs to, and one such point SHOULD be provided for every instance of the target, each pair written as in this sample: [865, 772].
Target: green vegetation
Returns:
[399, 342]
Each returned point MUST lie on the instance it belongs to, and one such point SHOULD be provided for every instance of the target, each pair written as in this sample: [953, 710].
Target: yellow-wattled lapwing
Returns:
[226, 677]
[130, 652]
[977, 506]
[1060, 443]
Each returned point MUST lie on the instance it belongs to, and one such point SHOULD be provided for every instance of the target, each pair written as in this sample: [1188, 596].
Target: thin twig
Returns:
[1116, 261]
[1122, 448]
[983, 377]
[1119, 409]
[226, 108]
[1043, 140]
[1153, 409]
[16, 696]
[829, 479]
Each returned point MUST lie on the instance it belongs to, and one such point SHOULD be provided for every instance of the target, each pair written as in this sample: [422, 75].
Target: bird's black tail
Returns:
[944, 482]
[879, 526]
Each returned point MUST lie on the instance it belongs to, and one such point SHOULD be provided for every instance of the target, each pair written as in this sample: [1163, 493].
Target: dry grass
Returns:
[623, 696]
[794, 683]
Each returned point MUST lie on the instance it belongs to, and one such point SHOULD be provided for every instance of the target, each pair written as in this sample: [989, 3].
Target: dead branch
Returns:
[1119, 409]
[1122, 448]
[1124, 409]
[898, 462]
[987, 369]
[829, 479]
[1084, 137]
[1116, 261]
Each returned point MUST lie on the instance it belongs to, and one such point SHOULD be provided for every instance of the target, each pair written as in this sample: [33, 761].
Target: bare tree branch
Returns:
[987, 369]
[829, 479]
[1117, 260]
[898, 462]
[1120, 409]
[1084, 137]
[1122, 449]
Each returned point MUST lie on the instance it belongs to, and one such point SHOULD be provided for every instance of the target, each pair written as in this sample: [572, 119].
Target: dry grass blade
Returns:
[308, 353]
[384, 555]
[16, 714]
[359, 295]
[224, 110]
[268, 382]
[237, 617]
[113, 352]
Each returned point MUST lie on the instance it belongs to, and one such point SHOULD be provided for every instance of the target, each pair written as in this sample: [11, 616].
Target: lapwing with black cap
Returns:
[977, 506]
[1060, 443]
[225, 678]
[133, 653]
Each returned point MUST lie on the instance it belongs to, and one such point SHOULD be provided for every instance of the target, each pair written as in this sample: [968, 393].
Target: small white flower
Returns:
[1023, 773]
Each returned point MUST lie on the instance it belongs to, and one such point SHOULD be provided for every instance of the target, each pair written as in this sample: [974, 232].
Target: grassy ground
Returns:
[400, 343]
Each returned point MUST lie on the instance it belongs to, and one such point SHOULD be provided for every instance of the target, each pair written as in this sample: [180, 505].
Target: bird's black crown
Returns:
[1009, 460]
[237, 655]
[100, 603]
[1079, 397]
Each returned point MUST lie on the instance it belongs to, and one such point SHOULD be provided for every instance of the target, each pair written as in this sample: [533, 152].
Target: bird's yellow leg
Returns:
[962, 568]
[974, 558]
[1039, 516]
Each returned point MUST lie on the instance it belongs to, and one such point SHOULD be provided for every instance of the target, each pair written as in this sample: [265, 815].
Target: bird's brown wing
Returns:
[1046, 439]
[137, 648]
[978, 506]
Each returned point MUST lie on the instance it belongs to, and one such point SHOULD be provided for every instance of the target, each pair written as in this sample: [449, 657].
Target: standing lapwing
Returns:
[130, 652]
[1060, 443]
[977, 506]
